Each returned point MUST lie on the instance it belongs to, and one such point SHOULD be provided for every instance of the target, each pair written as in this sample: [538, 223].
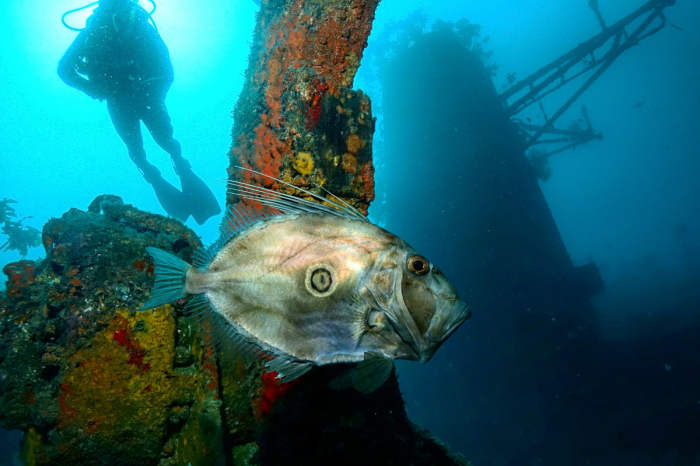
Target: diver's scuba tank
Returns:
[122, 48]
[108, 4]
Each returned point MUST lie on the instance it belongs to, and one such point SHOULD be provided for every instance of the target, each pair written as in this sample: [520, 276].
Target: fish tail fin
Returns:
[171, 272]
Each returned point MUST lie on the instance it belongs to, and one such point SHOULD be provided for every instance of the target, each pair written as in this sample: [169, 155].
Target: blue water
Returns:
[630, 202]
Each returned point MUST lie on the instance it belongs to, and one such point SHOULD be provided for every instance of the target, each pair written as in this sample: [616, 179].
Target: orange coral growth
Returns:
[77, 285]
[76, 282]
[19, 276]
[349, 163]
[67, 413]
[285, 45]
[268, 154]
[354, 143]
[340, 39]
[48, 239]
[140, 264]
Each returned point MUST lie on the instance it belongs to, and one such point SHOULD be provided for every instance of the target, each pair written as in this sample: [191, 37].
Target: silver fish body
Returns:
[309, 286]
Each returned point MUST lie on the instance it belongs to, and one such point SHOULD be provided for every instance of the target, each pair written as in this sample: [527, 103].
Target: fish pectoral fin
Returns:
[288, 369]
[367, 376]
[359, 310]
[372, 372]
[341, 382]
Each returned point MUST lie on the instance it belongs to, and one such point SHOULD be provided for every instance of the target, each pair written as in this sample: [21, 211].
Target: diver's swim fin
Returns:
[198, 198]
[170, 198]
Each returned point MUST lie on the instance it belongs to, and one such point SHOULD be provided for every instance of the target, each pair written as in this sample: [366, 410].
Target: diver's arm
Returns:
[68, 69]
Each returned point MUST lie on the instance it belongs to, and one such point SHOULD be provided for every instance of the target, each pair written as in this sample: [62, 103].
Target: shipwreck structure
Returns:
[458, 145]
[579, 67]
[91, 381]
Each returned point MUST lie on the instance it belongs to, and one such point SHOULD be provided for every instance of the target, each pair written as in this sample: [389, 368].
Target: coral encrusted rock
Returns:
[88, 378]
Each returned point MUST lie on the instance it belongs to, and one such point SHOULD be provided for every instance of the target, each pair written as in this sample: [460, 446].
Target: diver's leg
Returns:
[156, 118]
[198, 197]
[128, 125]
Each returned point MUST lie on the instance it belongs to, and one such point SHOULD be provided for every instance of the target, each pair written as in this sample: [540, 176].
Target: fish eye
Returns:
[418, 265]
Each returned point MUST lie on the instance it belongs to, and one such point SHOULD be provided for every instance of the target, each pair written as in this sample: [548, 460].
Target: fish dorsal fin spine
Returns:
[237, 218]
[288, 204]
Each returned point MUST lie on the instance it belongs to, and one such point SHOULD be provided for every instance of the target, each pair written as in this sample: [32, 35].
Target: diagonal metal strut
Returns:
[580, 61]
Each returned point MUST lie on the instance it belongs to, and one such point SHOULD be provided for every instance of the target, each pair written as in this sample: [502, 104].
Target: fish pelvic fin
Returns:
[170, 272]
[367, 376]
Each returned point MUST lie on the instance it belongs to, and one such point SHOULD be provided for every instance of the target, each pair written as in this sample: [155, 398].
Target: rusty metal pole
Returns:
[297, 118]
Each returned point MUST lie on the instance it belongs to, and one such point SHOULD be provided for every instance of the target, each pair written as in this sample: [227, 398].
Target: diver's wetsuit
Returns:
[119, 57]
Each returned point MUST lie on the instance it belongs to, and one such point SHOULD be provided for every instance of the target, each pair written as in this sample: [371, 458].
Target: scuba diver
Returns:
[120, 57]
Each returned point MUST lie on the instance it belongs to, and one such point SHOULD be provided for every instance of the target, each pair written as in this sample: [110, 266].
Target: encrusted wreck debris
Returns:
[87, 378]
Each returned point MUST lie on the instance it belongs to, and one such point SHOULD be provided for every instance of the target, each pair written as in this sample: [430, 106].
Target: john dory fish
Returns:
[312, 284]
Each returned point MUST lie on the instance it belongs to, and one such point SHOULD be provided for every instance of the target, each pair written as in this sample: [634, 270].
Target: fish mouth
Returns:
[448, 318]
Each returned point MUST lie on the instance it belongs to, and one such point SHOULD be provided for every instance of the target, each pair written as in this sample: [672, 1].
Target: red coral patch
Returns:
[124, 337]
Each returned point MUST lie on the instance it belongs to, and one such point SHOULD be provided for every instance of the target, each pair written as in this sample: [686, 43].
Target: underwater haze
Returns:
[540, 375]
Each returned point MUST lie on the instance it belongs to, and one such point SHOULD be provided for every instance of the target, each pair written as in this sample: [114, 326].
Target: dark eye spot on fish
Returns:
[321, 280]
[418, 265]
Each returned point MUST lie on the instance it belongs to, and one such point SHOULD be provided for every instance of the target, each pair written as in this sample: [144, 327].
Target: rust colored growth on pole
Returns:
[297, 118]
